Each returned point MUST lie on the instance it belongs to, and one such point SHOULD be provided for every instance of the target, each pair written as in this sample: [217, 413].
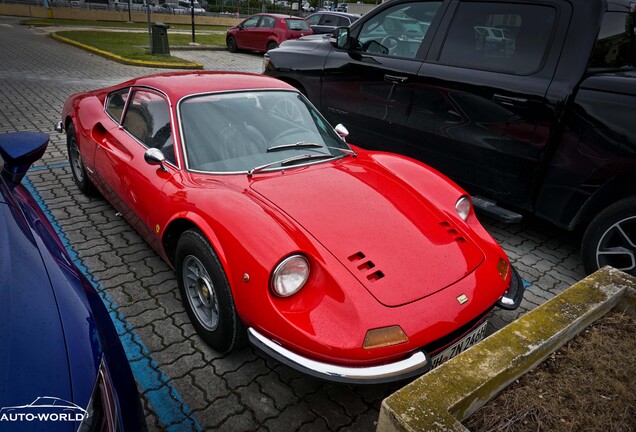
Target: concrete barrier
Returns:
[32, 11]
[441, 399]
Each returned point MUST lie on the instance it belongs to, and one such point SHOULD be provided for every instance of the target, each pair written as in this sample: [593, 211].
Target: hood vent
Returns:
[452, 231]
[366, 267]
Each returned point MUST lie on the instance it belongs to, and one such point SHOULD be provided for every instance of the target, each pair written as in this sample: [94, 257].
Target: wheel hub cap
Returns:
[200, 293]
[617, 246]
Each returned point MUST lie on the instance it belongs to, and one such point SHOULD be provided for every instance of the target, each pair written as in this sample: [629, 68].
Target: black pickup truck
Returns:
[531, 106]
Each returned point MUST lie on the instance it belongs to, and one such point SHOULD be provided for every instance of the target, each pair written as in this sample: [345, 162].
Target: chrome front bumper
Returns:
[514, 295]
[416, 364]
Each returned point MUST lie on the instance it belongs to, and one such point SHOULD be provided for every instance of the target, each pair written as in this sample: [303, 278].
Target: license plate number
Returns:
[460, 346]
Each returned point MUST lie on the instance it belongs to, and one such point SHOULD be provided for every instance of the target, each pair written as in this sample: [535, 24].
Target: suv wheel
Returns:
[610, 239]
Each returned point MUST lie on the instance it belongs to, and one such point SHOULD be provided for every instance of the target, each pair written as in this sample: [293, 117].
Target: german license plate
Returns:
[460, 346]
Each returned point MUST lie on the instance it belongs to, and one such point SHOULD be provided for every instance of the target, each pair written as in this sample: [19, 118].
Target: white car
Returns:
[495, 39]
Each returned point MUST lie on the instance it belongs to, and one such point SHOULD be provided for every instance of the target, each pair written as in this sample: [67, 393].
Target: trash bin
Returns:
[160, 39]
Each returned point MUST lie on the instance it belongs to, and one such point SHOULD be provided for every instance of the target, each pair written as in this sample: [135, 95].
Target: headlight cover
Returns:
[290, 275]
[463, 207]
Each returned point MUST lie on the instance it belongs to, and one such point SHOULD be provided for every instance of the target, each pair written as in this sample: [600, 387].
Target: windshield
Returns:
[237, 132]
[296, 24]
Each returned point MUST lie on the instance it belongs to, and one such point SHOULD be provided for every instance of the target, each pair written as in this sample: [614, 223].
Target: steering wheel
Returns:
[287, 110]
[390, 42]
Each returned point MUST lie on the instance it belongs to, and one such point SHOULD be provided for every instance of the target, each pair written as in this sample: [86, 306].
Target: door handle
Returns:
[509, 100]
[395, 79]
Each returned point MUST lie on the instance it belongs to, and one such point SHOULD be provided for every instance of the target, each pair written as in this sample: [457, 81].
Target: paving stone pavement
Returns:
[243, 391]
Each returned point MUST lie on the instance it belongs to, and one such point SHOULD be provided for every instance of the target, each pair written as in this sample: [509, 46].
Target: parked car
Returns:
[348, 265]
[342, 7]
[494, 40]
[327, 22]
[534, 120]
[263, 32]
[174, 9]
[60, 351]
[198, 10]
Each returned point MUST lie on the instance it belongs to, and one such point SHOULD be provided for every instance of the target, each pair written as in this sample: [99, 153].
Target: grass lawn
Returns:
[69, 22]
[134, 46]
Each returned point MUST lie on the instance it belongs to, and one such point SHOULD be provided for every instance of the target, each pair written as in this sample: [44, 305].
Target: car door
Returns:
[247, 34]
[368, 86]
[130, 183]
[480, 113]
[264, 32]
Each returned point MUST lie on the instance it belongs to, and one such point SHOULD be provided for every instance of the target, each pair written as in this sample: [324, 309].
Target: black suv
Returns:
[531, 106]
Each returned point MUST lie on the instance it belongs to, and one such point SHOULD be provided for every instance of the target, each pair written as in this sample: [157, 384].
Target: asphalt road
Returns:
[184, 384]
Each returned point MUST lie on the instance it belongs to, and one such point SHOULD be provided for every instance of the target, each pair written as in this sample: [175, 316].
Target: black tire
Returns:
[610, 239]
[77, 166]
[271, 45]
[206, 294]
[231, 44]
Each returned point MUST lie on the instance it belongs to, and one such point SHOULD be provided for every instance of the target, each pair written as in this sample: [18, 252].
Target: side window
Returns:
[500, 37]
[251, 22]
[148, 119]
[314, 19]
[267, 21]
[398, 31]
[342, 22]
[115, 104]
[614, 47]
[328, 20]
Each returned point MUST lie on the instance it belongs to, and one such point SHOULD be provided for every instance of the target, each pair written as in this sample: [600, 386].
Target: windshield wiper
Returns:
[288, 161]
[300, 144]
[344, 150]
[303, 144]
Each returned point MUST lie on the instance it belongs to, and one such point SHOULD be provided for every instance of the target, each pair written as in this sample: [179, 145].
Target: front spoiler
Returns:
[417, 364]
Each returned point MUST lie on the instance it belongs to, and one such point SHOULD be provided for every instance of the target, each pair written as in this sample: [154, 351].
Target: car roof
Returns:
[344, 14]
[179, 84]
[281, 16]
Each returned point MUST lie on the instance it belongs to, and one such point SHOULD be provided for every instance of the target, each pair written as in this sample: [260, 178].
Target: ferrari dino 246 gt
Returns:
[349, 265]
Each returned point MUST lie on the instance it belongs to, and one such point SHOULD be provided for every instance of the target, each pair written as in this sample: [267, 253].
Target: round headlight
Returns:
[290, 275]
[463, 207]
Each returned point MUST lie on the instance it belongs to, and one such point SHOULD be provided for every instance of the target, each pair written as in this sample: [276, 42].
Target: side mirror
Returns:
[19, 150]
[340, 38]
[342, 131]
[154, 156]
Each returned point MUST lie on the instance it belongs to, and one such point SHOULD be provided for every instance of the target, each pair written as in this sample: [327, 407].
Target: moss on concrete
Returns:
[439, 400]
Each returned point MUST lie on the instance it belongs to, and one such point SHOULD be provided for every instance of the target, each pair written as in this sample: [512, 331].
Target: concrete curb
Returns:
[439, 400]
[143, 63]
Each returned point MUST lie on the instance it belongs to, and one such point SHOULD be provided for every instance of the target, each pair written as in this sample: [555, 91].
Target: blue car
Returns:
[62, 365]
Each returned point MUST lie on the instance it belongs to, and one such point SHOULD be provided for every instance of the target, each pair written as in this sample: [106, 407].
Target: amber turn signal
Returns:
[383, 337]
[502, 268]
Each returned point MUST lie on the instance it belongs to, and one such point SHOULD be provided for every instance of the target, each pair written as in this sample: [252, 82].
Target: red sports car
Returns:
[263, 32]
[350, 265]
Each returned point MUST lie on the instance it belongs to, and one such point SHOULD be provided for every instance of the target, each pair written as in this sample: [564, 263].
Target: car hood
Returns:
[306, 43]
[388, 235]
[33, 358]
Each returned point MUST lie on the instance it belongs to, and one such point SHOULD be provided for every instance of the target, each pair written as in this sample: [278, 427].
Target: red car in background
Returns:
[346, 264]
[263, 32]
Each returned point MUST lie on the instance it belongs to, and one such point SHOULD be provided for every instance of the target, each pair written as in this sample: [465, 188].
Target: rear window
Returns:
[296, 24]
[615, 46]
